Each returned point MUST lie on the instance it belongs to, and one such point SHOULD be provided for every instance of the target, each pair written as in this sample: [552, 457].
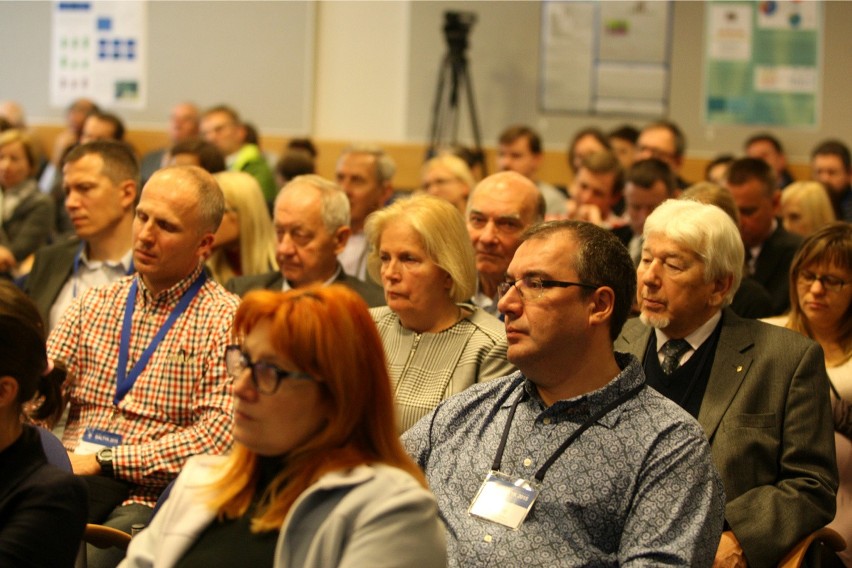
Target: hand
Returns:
[84, 464]
[730, 553]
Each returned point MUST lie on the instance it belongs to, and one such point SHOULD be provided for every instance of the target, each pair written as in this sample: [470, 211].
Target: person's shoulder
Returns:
[244, 284]
[63, 248]
[371, 293]
[478, 399]
[215, 292]
[54, 482]
[784, 239]
[382, 314]
[487, 323]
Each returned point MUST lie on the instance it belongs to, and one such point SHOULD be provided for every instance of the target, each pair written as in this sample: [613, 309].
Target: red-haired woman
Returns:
[317, 476]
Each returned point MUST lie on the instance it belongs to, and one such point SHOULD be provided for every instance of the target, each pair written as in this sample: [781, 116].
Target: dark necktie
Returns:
[672, 350]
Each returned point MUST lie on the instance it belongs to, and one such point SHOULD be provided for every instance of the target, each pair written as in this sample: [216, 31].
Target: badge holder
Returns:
[504, 500]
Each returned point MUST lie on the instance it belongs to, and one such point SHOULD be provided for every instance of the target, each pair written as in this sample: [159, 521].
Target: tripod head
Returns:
[456, 30]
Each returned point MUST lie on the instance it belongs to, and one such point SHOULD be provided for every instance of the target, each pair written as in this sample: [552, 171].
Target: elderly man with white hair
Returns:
[759, 392]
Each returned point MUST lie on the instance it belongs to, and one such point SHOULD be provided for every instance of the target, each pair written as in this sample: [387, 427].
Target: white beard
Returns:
[655, 321]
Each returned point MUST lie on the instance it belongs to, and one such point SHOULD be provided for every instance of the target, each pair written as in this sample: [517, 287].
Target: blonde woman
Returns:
[805, 207]
[448, 177]
[244, 245]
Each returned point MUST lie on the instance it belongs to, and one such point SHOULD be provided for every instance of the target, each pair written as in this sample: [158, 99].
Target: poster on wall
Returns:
[605, 57]
[763, 63]
[98, 51]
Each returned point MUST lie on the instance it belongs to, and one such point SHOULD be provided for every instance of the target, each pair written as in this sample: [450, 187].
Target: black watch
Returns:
[104, 457]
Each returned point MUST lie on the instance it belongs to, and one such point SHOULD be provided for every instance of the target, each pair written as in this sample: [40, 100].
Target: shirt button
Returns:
[487, 538]
[527, 462]
[547, 420]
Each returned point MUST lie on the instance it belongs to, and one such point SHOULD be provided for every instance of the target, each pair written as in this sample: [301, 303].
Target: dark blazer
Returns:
[52, 267]
[767, 415]
[42, 508]
[372, 294]
[772, 267]
[30, 225]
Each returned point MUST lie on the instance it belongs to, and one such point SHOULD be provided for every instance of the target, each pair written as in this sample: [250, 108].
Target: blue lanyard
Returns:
[77, 258]
[124, 380]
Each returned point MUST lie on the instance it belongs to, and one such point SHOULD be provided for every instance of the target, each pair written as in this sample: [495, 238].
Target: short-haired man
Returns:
[101, 125]
[520, 150]
[596, 190]
[100, 180]
[184, 125]
[769, 247]
[594, 468]
[365, 172]
[150, 386]
[768, 148]
[222, 127]
[649, 183]
[311, 219]
[500, 208]
[664, 140]
[831, 165]
[759, 391]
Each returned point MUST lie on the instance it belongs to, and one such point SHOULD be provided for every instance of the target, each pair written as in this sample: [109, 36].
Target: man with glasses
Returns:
[665, 141]
[499, 209]
[572, 460]
[760, 392]
[147, 352]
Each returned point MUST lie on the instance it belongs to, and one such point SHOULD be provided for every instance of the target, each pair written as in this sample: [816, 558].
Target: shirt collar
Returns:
[286, 285]
[695, 339]
[125, 262]
[171, 295]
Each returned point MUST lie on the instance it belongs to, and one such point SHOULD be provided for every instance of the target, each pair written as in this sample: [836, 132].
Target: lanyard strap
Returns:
[539, 475]
[77, 257]
[125, 380]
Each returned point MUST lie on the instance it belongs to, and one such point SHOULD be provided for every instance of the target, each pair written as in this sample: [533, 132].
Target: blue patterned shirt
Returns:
[638, 488]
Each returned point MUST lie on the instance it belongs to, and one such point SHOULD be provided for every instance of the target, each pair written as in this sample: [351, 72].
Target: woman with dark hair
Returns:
[42, 508]
[317, 476]
[821, 308]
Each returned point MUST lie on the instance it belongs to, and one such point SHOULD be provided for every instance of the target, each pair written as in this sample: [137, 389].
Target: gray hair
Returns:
[706, 230]
[385, 166]
[334, 208]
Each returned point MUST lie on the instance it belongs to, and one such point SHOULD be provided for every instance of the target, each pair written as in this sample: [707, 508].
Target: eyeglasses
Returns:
[535, 286]
[503, 225]
[265, 376]
[830, 283]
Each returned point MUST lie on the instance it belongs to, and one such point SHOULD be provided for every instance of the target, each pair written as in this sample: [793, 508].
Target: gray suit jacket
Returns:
[241, 285]
[767, 415]
[52, 267]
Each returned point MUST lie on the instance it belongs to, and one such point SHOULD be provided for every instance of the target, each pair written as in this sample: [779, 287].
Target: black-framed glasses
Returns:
[830, 283]
[533, 286]
[265, 376]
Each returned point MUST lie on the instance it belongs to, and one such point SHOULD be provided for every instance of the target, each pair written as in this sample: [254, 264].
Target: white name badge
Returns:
[504, 500]
[96, 440]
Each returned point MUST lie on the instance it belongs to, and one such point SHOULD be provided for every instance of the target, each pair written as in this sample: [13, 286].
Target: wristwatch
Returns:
[104, 457]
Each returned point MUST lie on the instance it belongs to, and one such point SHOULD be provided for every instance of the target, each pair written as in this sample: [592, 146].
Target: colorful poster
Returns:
[763, 63]
[98, 52]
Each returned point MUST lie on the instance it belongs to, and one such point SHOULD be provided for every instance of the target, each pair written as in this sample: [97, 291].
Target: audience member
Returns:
[42, 508]
[831, 165]
[26, 214]
[448, 177]
[520, 150]
[586, 142]
[101, 186]
[311, 222]
[649, 182]
[292, 164]
[197, 152]
[768, 148]
[13, 112]
[821, 308]
[317, 476]
[500, 209]
[365, 173]
[596, 190]
[751, 300]
[304, 144]
[75, 116]
[101, 125]
[184, 125]
[769, 248]
[717, 169]
[623, 141]
[618, 474]
[131, 430]
[664, 140]
[222, 127]
[805, 207]
[435, 342]
[759, 392]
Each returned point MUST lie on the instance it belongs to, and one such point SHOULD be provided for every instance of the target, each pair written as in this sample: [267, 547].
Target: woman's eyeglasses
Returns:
[830, 283]
[265, 376]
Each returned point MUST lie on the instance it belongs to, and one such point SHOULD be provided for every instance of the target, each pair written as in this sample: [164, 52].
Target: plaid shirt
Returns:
[181, 403]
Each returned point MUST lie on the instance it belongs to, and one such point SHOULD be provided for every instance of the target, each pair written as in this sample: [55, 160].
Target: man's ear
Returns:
[205, 246]
[341, 237]
[129, 193]
[601, 304]
[721, 287]
[8, 391]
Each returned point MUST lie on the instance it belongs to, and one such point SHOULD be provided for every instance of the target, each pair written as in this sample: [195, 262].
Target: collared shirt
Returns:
[481, 300]
[695, 339]
[89, 274]
[286, 285]
[181, 404]
[638, 488]
[353, 257]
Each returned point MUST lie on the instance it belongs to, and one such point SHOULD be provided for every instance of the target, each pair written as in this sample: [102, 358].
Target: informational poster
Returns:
[605, 57]
[98, 52]
[763, 63]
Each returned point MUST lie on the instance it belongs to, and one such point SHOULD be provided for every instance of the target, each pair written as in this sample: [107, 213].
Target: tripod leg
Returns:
[474, 121]
[437, 107]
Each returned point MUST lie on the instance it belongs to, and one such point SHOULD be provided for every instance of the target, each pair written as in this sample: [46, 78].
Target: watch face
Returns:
[105, 454]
